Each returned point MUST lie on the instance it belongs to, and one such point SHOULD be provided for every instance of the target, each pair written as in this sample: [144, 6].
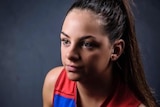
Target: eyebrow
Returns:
[65, 34]
[82, 38]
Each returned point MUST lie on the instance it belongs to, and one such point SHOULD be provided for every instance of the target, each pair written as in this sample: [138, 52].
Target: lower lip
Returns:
[72, 68]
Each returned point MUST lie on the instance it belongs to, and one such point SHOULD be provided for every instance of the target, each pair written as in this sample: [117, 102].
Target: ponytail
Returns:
[135, 76]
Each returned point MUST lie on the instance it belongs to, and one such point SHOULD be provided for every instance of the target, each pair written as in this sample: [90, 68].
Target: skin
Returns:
[87, 56]
[85, 50]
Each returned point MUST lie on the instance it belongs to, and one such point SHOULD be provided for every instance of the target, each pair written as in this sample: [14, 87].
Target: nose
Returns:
[73, 54]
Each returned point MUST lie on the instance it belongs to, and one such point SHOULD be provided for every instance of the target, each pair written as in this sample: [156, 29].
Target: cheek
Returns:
[62, 55]
[97, 61]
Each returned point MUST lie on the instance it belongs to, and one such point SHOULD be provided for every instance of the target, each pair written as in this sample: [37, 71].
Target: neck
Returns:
[94, 90]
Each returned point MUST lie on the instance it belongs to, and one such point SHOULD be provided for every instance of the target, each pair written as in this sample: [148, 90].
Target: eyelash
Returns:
[88, 45]
[65, 42]
[83, 44]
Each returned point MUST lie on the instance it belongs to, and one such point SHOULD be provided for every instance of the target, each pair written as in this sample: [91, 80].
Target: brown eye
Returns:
[65, 42]
[88, 45]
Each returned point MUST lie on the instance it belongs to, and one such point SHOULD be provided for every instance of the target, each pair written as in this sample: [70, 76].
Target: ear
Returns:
[117, 50]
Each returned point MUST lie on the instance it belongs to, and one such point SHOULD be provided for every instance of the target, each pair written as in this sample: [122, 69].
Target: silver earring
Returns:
[112, 51]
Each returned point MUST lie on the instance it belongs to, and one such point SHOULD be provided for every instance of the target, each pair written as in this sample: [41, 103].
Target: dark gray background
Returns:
[30, 46]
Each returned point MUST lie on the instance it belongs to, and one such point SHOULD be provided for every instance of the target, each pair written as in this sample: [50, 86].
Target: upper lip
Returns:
[75, 66]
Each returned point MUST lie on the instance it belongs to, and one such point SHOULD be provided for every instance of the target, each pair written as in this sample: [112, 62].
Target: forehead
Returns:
[83, 12]
[82, 21]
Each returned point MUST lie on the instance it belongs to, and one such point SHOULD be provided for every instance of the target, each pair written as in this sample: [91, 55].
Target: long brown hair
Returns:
[118, 22]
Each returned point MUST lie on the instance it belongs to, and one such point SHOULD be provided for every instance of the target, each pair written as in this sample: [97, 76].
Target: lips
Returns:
[72, 68]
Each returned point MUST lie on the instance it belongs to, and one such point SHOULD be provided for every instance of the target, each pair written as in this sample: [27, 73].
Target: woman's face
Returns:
[85, 49]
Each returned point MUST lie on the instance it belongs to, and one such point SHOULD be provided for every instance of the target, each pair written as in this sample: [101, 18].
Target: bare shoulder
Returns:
[53, 74]
[141, 105]
[48, 86]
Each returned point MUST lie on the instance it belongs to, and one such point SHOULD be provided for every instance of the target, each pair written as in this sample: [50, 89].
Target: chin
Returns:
[73, 76]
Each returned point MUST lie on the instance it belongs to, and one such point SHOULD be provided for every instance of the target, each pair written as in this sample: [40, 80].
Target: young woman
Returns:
[101, 60]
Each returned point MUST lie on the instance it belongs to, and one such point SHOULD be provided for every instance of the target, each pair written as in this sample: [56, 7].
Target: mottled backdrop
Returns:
[30, 46]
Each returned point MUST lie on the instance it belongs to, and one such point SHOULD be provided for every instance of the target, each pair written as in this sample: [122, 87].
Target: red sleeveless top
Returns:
[65, 95]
